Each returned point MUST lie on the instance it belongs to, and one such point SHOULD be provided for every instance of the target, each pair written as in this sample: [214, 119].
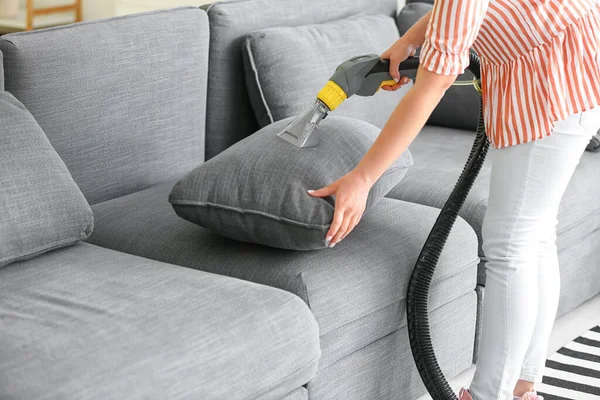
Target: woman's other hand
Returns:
[399, 52]
[351, 192]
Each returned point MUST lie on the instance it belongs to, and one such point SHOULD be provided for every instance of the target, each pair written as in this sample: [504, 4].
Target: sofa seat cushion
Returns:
[41, 207]
[256, 190]
[281, 85]
[91, 323]
[356, 290]
[440, 154]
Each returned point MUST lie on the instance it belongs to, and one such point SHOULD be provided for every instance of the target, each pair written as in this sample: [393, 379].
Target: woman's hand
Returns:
[351, 192]
[399, 52]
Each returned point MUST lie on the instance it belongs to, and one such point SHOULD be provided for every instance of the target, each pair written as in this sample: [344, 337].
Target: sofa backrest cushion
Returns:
[121, 100]
[230, 115]
[594, 145]
[410, 14]
[41, 207]
[287, 66]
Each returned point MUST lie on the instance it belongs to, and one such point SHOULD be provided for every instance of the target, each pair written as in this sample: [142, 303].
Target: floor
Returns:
[566, 328]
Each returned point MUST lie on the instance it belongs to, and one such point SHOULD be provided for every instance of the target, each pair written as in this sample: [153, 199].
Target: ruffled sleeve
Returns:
[451, 32]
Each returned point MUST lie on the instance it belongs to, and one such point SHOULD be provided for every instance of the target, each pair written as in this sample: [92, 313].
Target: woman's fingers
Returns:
[350, 194]
[347, 226]
[403, 81]
[342, 229]
[353, 223]
[386, 54]
[395, 68]
[324, 192]
[338, 220]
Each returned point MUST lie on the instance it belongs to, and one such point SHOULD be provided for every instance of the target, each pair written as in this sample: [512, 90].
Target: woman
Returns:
[541, 92]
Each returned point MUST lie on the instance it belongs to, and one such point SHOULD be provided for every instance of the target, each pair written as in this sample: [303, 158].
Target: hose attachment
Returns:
[420, 281]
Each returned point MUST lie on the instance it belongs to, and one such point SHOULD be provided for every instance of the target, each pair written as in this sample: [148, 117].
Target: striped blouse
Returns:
[540, 59]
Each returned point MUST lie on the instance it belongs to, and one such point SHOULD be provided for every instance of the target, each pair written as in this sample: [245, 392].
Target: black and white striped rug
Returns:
[573, 372]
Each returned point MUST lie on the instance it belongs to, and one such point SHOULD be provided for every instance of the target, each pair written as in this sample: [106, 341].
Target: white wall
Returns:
[92, 9]
[133, 6]
[95, 9]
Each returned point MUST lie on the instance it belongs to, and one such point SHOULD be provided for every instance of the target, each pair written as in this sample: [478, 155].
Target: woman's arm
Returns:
[416, 34]
[406, 122]
[451, 29]
[447, 34]
[412, 39]
[351, 191]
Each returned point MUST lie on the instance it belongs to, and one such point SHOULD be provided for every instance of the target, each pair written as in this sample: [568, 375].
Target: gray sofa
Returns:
[133, 103]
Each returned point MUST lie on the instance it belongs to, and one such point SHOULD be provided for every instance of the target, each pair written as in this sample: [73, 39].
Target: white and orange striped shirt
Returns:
[540, 59]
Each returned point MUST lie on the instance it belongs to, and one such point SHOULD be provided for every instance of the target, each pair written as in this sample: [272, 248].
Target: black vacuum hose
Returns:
[420, 281]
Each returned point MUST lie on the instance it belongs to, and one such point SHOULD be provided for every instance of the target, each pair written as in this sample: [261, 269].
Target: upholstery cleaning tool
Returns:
[420, 281]
[364, 76]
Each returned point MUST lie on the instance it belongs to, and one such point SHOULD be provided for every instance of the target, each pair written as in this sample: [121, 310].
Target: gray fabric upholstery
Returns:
[41, 207]
[579, 263]
[122, 100]
[90, 323]
[440, 154]
[299, 394]
[459, 108]
[256, 191]
[594, 145]
[230, 116]
[410, 14]
[281, 83]
[1, 71]
[385, 369]
[480, 290]
[355, 290]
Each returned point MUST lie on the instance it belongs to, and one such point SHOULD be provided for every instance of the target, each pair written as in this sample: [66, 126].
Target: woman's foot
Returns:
[464, 394]
[522, 387]
[530, 396]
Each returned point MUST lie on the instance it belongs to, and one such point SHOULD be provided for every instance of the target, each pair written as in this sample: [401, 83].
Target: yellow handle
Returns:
[387, 83]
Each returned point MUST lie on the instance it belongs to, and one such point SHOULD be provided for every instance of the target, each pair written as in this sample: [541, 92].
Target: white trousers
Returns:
[519, 240]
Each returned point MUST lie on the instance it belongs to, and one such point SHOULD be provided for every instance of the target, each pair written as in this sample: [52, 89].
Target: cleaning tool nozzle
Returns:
[303, 130]
[362, 75]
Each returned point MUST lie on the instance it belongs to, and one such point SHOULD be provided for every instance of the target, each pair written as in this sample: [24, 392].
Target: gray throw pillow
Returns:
[256, 191]
[41, 207]
[410, 14]
[287, 66]
[459, 108]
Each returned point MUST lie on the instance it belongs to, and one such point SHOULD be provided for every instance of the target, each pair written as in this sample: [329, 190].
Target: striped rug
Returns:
[573, 372]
